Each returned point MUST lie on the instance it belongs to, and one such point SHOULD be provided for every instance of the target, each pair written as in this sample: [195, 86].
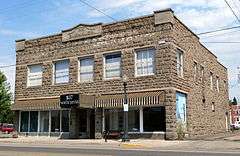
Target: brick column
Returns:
[74, 124]
[170, 106]
[98, 123]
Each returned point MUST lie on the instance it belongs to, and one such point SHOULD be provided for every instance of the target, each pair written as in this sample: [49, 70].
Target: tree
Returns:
[6, 115]
[234, 101]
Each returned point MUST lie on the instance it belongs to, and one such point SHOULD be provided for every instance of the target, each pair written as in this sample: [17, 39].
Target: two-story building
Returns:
[70, 84]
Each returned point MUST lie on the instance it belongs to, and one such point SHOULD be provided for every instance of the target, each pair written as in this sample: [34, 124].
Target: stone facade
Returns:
[162, 31]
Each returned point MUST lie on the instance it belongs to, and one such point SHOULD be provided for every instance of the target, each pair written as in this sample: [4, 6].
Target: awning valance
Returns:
[134, 99]
[86, 101]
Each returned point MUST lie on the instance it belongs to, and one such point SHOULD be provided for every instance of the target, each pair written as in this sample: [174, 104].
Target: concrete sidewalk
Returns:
[143, 144]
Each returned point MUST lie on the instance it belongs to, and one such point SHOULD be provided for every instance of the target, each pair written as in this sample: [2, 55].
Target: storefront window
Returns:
[133, 120]
[24, 121]
[44, 121]
[181, 100]
[55, 121]
[154, 119]
[33, 121]
[114, 120]
[65, 121]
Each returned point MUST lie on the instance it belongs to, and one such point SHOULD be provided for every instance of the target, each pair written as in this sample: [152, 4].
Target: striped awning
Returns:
[86, 101]
[134, 99]
[37, 104]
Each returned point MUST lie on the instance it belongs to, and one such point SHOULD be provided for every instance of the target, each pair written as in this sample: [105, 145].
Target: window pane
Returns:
[86, 69]
[154, 119]
[179, 63]
[35, 75]
[55, 121]
[62, 71]
[114, 120]
[133, 120]
[65, 121]
[24, 121]
[33, 121]
[113, 65]
[181, 107]
[145, 62]
[44, 121]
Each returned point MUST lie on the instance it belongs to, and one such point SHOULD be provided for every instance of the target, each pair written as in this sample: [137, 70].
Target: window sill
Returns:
[60, 84]
[150, 75]
[110, 79]
[38, 86]
[85, 82]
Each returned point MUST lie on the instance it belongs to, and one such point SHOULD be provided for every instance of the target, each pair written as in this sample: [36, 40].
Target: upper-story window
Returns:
[61, 71]
[34, 75]
[112, 66]
[195, 71]
[180, 63]
[86, 70]
[145, 62]
[217, 83]
[211, 80]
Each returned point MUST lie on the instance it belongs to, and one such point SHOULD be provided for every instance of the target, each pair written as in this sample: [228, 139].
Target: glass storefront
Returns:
[44, 121]
[33, 121]
[38, 121]
[24, 121]
[153, 119]
[65, 121]
[55, 121]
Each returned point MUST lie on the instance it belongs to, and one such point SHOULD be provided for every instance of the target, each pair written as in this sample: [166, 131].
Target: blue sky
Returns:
[31, 19]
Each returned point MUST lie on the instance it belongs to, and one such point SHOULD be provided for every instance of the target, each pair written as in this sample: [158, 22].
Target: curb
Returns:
[129, 145]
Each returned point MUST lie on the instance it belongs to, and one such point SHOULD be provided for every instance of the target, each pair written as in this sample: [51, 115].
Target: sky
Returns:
[31, 19]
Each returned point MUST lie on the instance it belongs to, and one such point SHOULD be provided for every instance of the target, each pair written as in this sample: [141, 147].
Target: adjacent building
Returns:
[71, 84]
[235, 114]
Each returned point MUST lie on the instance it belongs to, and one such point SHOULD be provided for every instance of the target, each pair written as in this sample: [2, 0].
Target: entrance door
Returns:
[83, 123]
[92, 124]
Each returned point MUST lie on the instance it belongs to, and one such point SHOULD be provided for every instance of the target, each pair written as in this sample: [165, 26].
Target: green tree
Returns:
[234, 101]
[6, 115]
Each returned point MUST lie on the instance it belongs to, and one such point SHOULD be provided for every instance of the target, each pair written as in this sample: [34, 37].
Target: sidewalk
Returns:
[143, 144]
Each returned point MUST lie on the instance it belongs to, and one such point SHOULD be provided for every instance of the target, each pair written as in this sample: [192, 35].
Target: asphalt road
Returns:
[53, 151]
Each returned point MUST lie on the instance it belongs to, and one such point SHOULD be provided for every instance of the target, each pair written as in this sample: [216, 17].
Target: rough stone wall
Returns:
[124, 36]
[201, 120]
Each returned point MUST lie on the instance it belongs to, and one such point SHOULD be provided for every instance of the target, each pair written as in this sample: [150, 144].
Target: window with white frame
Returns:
[112, 65]
[145, 64]
[179, 63]
[34, 75]
[211, 80]
[61, 72]
[86, 69]
[217, 83]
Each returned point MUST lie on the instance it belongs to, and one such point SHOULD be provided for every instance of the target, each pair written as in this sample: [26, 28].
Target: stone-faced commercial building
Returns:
[70, 84]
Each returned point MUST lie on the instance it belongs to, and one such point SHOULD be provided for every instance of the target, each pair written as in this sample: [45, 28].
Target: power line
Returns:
[232, 11]
[218, 30]
[7, 66]
[100, 11]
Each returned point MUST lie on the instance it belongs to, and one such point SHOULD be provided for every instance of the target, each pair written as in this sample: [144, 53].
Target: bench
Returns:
[112, 134]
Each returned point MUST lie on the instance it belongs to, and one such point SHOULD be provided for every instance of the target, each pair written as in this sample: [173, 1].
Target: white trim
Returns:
[39, 122]
[49, 123]
[19, 121]
[29, 122]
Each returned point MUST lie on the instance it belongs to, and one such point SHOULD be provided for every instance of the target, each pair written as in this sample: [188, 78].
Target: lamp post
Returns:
[125, 110]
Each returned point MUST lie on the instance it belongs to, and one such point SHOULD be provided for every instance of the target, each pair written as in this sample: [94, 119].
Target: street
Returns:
[12, 150]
